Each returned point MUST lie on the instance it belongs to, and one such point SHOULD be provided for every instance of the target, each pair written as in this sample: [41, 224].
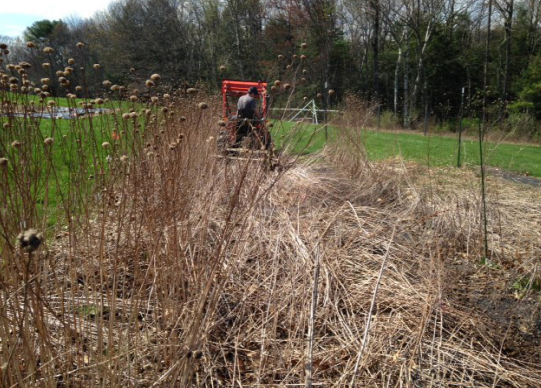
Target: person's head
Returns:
[253, 91]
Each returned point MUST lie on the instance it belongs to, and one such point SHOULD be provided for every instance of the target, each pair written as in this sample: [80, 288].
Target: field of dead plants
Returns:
[133, 256]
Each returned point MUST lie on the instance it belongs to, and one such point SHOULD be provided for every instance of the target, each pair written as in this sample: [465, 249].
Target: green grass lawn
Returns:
[432, 150]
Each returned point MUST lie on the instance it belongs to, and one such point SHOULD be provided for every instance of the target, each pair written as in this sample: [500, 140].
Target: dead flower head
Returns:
[30, 240]
[49, 141]
[80, 45]
[149, 83]
[304, 45]
[191, 90]
[96, 66]
[16, 144]
[3, 162]
[105, 145]
[48, 50]
[155, 77]
[203, 105]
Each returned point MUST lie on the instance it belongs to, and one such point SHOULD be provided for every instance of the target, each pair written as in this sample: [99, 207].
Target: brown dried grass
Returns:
[195, 271]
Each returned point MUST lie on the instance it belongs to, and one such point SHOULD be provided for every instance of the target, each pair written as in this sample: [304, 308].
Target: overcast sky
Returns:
[16, 15]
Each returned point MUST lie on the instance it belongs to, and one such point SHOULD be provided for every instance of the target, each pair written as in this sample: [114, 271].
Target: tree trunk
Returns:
[406, 75]
[508, 31]
[396, 74]
[375, 49]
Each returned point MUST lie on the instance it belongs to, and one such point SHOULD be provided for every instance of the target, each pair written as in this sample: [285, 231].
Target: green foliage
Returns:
[44, 30]
[530, 92]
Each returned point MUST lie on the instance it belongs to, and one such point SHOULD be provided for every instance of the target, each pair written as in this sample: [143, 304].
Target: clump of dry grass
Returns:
[186, 269]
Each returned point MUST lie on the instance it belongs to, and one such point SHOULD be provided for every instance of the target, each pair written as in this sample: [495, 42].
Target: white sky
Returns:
[16, 15]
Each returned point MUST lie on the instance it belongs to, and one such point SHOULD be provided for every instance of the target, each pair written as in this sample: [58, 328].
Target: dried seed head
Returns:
[165, 110]
[99, 101]
[281, 57]
[133, 98]
[59, 73]
[30, 240]
[79, 88]
[49, 141]
[124, 158]
[96, 66]
[25, 65]
[303, 57]
[223, 68]
[3, 46]
[155, 77]
[166, 96]
[221, 123]
[304, 45]
[132, 70]
[182, 118]
[105, 145]
[154, 100]
[277, 82]
[46, 65]
[115, 88]
[191, 90]
[3, 162]
[107, 83]
[273, 88]
[48, 50]
[203, 105]
[149, 83]
[126, 116]
[71, 61]
[45, 80]
[51, 103]
[304, 71]
[331, 92]
[295, 56]
[80, 45]
[287, 86]
[319, 95]
[16, 144]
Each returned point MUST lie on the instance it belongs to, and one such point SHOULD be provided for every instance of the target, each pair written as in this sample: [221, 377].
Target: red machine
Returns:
[231, 92]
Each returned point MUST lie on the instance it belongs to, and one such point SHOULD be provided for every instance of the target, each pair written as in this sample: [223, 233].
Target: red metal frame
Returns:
[231, 88]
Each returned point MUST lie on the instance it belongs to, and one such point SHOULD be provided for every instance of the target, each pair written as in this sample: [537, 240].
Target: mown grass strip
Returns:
[432, 150]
